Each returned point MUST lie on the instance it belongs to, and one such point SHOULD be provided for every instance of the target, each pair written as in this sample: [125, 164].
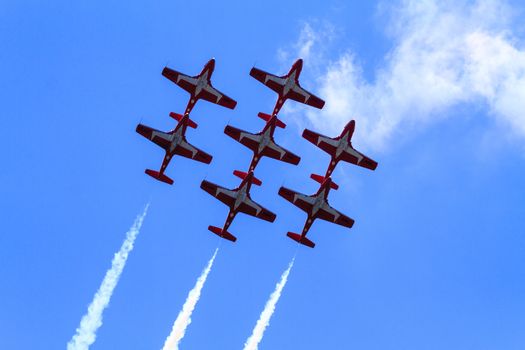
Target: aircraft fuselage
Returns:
[289, 83]
[266, 138]
[202, 83]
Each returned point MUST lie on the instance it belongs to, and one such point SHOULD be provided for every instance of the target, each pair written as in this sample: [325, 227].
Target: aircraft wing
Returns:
[254, 209]
[298, 199]
[187, 150]
[355, 157]
[211, 94]
[248, 139]
[328, 213]
[327, 144]
[159, 137]
[272, 81]
[275, 151]
[184, 81]
[223, 194]
[301, 95]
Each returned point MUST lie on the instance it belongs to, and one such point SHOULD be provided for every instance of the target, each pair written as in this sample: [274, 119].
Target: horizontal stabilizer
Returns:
[223, 234]
[322, 179]
[159, 176]
[301, 239]
[179, 117]
[267, 117]
[243, 175]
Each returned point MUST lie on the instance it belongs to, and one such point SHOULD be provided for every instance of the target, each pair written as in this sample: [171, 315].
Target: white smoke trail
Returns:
[184, 318]
[252, 343]
[91, 322]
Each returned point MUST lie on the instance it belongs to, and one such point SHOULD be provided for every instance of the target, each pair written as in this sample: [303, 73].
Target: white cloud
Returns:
[443, 54]
[307, 46]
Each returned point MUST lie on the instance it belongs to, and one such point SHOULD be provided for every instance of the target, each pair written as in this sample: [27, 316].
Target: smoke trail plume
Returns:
[264, 320]
[92, 320]
[184, 318]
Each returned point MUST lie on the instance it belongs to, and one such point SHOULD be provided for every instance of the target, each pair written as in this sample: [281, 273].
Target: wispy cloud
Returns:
[308, 45]
[87, 331]
[184, 318]
[252, 343]
[444, 54]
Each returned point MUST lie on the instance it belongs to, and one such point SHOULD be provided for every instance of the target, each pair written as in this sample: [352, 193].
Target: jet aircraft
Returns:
[287, 86]
[262, 144]
[340, 148]
[199, 86]
[238, 200]
[174, 143]
[316, 207]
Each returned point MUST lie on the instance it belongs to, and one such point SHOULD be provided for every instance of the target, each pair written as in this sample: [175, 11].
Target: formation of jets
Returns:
[261, 144]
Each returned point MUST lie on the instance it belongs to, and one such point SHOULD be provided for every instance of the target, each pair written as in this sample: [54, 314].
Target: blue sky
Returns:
[434, 261]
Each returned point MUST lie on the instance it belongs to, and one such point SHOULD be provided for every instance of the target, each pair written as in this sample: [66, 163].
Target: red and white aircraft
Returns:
[316, 207]
[174, 143]
[262, 144]
[238, 200]
[199, 86]
[287, 86]
[340, 148]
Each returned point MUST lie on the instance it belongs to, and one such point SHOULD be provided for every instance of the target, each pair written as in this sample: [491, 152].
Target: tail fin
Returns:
[267, 118]
[178, 117]
[159, 176]
[223, 234]
[301, 239]
[322, 179]
[243, 175]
